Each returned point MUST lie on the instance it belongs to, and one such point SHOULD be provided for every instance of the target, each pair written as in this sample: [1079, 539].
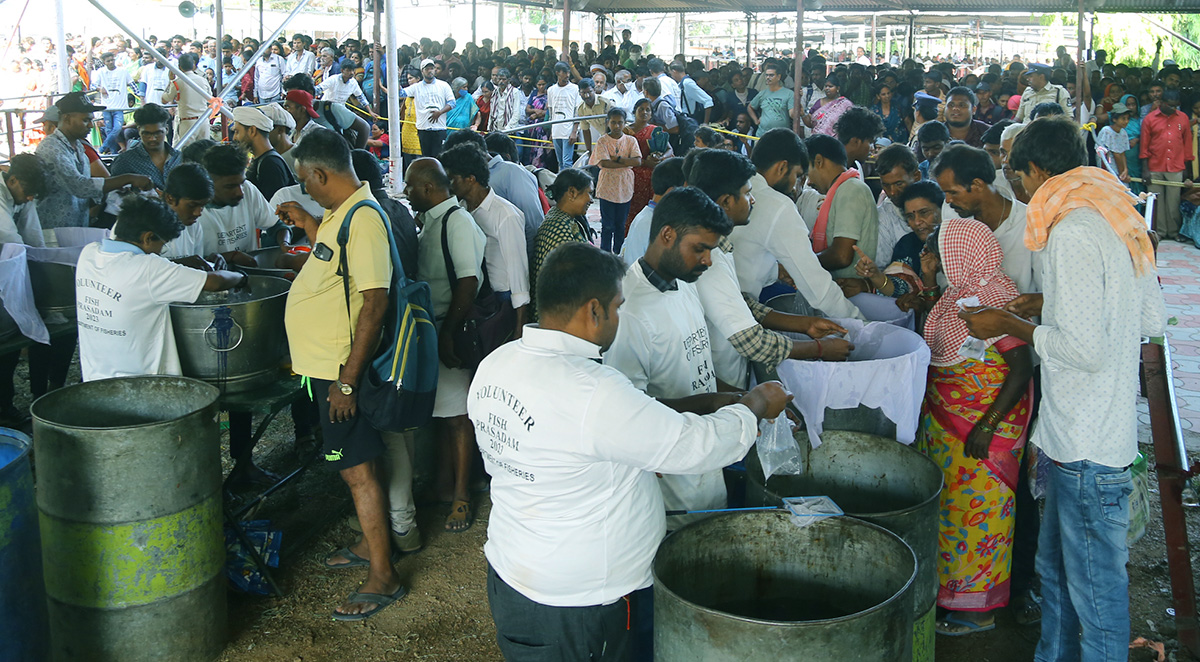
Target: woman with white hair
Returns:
[465, 114]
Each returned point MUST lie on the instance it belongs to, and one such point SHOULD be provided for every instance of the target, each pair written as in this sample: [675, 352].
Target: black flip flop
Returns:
[378, 599]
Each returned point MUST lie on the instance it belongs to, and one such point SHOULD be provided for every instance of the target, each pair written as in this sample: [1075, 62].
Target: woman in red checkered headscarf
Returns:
[977, 409]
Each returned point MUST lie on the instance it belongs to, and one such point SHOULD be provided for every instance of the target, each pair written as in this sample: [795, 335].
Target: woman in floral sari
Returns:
[974, 424]
[829, 109]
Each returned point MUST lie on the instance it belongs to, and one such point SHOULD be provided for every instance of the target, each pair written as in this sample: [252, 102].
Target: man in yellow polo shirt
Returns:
[332, 346]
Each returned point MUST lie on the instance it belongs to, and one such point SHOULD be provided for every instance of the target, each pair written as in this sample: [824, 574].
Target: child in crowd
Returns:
[616, 153]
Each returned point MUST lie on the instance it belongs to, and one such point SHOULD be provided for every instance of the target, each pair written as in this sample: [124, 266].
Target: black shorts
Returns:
[349, 443]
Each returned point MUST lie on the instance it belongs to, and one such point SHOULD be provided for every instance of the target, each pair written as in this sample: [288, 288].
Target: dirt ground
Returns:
[445, 615]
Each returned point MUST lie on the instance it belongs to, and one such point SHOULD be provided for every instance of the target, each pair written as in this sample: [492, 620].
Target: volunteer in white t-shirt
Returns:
[742, 329]
[434, 99]
[123, 289]
[663, 345]
[237, 211]
[776, 235]
[571, 446]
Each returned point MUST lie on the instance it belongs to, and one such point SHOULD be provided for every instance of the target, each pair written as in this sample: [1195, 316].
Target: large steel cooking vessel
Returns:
[741, 587]
[265, 264]
[53, 288]
[233, 340]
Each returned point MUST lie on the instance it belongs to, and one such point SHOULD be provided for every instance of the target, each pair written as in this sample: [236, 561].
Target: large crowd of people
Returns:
[964, 191]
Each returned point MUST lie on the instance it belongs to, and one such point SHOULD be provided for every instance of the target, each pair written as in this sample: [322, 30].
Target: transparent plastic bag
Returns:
[806, 510]
[777, 448]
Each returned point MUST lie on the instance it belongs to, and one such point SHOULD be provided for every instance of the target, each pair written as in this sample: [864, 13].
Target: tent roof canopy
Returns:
[957, 6]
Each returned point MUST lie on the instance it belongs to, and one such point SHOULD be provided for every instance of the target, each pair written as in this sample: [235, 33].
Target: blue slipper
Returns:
[381, 601]
[972, 628]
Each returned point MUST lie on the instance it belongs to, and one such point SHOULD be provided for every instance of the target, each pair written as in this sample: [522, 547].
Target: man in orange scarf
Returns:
[1100, 296]
[848, 216]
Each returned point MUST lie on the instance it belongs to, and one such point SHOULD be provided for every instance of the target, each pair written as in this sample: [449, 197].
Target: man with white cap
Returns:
[434, 99]
[281, 133]
[268, 171]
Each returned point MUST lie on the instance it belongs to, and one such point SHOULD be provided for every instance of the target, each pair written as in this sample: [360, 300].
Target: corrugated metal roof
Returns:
[958, 6]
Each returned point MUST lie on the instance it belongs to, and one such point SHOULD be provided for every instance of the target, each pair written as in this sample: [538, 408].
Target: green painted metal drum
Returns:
[129, 499]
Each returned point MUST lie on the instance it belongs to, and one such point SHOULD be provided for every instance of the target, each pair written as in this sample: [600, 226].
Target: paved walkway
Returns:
[1179, 271]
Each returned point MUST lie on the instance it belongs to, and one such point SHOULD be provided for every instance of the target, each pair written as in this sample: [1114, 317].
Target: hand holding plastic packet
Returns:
[777, 448]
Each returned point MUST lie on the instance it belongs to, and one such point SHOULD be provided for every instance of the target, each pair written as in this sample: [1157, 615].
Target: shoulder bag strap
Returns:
[343, 238]
[486, 287]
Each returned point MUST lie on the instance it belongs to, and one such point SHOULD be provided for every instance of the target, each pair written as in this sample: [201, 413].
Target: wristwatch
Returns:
[346, 389]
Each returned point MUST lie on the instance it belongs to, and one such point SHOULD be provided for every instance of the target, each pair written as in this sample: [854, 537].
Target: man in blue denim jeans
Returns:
[1100, 295]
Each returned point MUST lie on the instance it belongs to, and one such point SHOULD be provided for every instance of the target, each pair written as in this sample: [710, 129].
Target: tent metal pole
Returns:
[396, 163]
[474, 31]
[912, 24]
[261, 22]
[60, 48]
[376, 55]
[360, 20]
[1169, 31]
[499, 25]
[219, 79]
[872, 38]
[1079, 68]
[565, 54]
[683, 35]
[797, 85]
[748, 17]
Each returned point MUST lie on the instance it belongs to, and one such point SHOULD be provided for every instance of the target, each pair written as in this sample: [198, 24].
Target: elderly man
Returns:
[623, 94]
[152, 155]
[898, 169]
[334, 357]
[70, 188]
[508, 104]
[268, 171]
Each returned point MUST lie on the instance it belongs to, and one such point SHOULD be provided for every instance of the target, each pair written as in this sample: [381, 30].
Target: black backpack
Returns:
[684, 140]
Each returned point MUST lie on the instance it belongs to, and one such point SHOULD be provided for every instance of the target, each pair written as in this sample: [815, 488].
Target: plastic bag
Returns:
[1038, 468]
[240, 569]
[777, 448]
[1139, 501]
[807, 510]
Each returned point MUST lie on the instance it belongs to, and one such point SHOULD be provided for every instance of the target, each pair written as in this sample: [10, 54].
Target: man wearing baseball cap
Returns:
[268, 171]
[299, 104]
[434, 99]
[70, 188]
[1041, 90]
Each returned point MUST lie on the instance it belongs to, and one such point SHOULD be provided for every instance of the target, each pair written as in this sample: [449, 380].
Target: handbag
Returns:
[489, 322]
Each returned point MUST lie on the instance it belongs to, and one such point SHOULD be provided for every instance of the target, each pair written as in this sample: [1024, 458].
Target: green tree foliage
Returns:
[1129, 39]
